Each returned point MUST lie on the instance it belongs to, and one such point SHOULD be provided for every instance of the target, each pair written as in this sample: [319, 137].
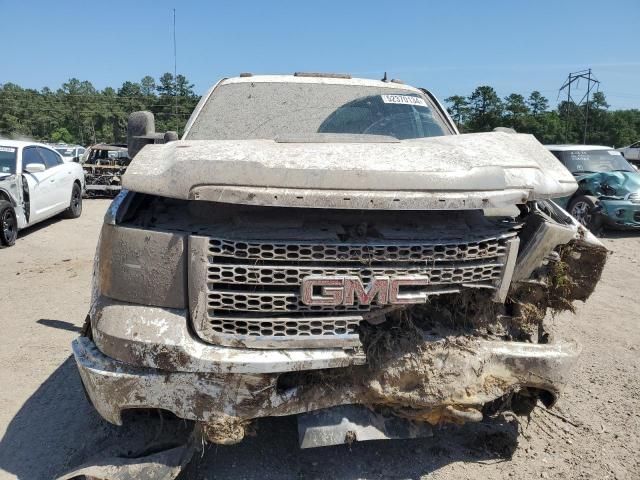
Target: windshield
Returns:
[268, 110]
[592, 161]
[7, 160]
[65, 152]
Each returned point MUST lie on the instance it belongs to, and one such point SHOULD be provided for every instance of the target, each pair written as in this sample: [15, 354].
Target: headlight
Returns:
[141, 266]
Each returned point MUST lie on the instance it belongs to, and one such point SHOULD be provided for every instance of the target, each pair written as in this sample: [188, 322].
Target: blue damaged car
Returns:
[608, 192]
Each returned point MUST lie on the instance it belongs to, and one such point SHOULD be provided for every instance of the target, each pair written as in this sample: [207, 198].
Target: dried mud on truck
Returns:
[334, 248]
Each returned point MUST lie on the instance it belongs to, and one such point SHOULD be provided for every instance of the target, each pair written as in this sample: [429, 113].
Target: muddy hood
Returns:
[461, 171]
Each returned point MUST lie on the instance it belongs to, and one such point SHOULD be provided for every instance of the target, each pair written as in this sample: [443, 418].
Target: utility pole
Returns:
[592, 83]
[175, 75]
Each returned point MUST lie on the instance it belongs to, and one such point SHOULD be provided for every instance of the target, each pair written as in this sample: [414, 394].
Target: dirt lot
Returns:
[47, 426]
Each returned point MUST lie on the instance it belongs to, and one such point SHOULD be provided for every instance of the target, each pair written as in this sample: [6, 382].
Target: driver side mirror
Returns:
[76, 159]
[141, 131]
[35, 167]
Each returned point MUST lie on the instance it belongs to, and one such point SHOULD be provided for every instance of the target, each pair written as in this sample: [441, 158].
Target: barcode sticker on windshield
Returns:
[7, 149]
[404, 100]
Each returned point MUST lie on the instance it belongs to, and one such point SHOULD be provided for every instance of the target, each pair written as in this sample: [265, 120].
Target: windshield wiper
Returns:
[580, 172]
[621, 170]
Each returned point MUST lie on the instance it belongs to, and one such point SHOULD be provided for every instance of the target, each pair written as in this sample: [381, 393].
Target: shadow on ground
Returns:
[274, 454]
[53, 424]
[59, 324]
[39, 226]
[56, 429]
[620, 234]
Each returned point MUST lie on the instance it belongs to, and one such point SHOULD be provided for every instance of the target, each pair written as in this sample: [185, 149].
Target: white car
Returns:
[632, 152]
[69, 153]
[35, 184]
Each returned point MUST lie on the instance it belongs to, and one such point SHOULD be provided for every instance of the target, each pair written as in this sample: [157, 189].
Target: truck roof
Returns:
[318, 78]
[569, 147]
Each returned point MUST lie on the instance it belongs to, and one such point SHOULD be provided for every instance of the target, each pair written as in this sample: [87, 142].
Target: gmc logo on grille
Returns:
[320, 290]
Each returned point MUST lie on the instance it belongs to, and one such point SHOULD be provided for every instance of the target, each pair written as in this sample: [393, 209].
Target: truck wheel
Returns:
[583, 209]
[8, 224]
[75, 207]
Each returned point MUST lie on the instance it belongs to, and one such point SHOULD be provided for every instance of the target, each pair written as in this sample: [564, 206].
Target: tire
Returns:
[584, 210]
[75, 206]
[8, 224]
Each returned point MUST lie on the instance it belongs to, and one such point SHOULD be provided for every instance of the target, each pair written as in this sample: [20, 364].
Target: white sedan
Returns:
[631, 153]
[35, 184]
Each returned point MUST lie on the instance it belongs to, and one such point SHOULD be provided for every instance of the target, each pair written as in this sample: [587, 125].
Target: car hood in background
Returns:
[623, 183]
[478, 170]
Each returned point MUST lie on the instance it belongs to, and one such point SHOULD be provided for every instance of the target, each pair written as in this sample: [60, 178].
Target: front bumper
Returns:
[620, 214]
[468, 375]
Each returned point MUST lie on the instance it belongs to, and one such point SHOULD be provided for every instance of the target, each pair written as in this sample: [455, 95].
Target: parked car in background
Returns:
[631, 153]
[35, 184]
[69, 153]
[104, 166]
[608, 192]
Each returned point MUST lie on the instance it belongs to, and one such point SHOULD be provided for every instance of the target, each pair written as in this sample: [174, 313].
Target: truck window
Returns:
[266, 110]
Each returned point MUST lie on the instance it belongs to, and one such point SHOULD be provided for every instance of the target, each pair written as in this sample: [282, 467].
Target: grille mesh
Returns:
[285, 327]
[349, 252]
[293, 275]
[253, 287]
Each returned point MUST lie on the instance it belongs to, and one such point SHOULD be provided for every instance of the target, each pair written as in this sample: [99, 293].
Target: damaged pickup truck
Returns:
[334, 248]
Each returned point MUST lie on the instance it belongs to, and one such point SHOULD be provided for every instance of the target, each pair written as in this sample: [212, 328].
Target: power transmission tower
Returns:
[592, 83]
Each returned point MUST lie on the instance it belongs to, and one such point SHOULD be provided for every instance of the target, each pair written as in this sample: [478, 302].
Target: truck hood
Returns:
[479, 170]
[622, 183]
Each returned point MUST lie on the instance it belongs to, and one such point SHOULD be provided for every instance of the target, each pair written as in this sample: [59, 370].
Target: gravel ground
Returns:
[47, 426]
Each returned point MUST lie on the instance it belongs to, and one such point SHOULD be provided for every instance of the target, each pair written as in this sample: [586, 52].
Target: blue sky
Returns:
[448, 47]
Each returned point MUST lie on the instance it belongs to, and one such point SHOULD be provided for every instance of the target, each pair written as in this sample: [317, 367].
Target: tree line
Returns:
[77, 112]
[483, 110]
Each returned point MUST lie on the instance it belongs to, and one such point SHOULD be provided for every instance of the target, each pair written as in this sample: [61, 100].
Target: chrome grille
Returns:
[286, 327]
[316, 252]
[273, 274]
[248, 292]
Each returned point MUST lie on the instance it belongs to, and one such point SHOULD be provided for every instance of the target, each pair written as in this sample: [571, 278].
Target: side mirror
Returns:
[141, 127]
[35, 167]
[141, 131]
[76, 159]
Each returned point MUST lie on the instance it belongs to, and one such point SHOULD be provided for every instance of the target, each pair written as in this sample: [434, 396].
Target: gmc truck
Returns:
[331, 247]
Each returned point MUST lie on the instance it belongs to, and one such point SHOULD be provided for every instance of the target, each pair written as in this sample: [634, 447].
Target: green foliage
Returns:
[61, 135]
[78, 113]
[483, 110]
[486, 110]
[458, 109]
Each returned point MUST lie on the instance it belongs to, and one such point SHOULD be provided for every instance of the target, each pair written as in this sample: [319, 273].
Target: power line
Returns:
[574, 78]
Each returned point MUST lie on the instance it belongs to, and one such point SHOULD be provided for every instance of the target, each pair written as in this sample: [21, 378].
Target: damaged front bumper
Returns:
[620, 214]
[470, 373]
